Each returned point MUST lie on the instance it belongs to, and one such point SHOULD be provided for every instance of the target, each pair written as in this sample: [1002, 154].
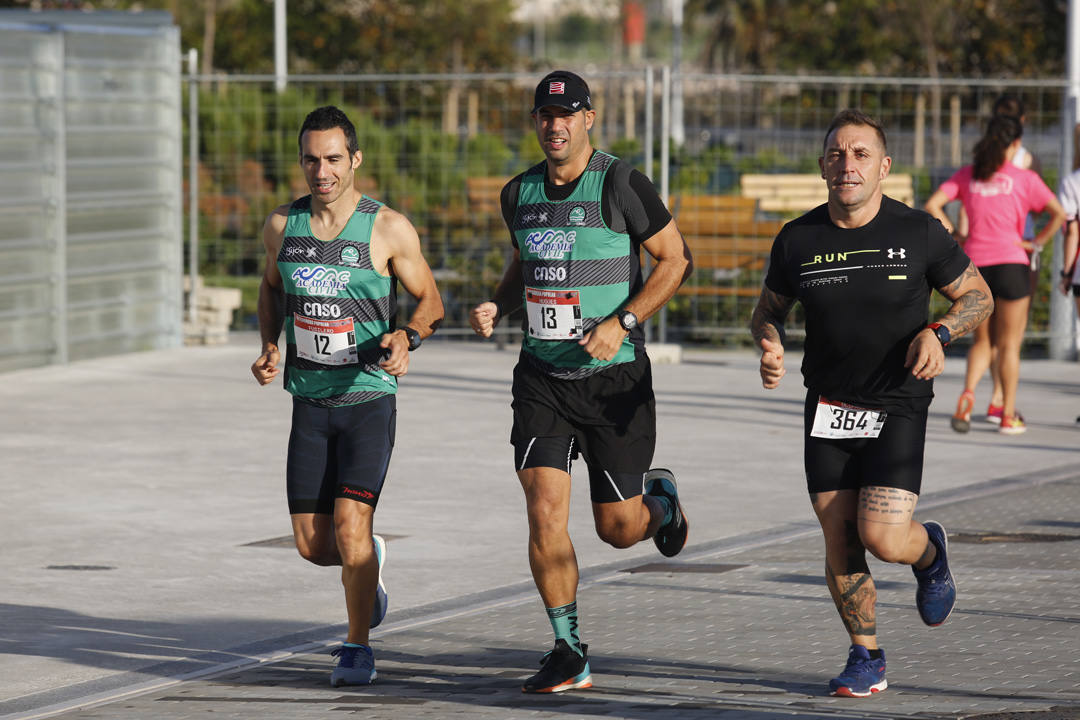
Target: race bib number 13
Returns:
[329, 342]
[553, 314]
[837, 420]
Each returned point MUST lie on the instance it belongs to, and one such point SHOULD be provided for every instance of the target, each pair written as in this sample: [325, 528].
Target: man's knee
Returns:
[886, 547]
[618, 534]
[621, 525]
[319, 553]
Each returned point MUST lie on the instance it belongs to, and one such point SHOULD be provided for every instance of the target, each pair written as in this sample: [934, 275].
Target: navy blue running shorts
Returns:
[339, 452]
[893, 459]
[609, 418]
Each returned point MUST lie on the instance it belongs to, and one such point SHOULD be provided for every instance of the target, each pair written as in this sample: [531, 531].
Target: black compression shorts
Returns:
[893, 459]
[1009, 281]
[340, 452]
[609, 418]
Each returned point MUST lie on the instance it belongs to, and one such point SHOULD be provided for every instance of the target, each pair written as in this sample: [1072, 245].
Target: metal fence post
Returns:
[1062, 344]
[665, 163]
[60, 268]
[649, 130]
[193, 183]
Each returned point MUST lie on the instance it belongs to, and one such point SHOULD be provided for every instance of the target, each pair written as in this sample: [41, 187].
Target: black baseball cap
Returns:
[563, 89]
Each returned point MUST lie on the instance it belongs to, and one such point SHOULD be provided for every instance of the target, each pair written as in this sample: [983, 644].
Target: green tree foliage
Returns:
[385, 36]
[919, 38]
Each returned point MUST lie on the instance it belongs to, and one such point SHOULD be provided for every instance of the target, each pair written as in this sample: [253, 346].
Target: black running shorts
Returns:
[609, 418]
[340, 452]
[893, 459]
[1010, 281]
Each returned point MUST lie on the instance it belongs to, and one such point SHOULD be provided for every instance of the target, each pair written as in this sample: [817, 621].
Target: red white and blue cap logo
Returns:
[562, 89]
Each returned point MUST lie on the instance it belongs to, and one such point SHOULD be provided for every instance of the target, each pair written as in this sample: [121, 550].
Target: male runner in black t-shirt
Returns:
[863, 266]
[583, 384]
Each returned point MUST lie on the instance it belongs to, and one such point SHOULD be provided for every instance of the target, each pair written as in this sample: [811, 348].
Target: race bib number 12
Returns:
[329, 342]
[553, 314]
[837, 420]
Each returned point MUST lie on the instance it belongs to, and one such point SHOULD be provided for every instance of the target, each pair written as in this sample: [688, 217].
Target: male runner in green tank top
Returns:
[583, 384]
[333, 259]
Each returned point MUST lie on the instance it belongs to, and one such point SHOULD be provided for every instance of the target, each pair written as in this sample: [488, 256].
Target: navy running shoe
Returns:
[382, 602]
[863, 676]
[937, 590]
[561, 669]
[356, 666]
[670, 538]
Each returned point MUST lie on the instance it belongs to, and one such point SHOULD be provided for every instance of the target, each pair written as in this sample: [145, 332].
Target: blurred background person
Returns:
[998, 196]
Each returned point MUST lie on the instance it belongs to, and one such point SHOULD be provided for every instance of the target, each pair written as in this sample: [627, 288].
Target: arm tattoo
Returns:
[969, 309]
[954, 287]
[769, 315]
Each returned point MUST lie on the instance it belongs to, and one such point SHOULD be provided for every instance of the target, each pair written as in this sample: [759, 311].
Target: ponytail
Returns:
[990, 150]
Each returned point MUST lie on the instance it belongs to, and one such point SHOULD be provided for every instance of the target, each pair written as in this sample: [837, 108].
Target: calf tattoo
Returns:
[855, 597]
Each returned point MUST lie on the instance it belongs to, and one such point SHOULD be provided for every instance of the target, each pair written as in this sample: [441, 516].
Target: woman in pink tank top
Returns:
[997, 197]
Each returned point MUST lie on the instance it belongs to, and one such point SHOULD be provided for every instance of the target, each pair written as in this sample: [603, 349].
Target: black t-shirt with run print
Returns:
[865, 292]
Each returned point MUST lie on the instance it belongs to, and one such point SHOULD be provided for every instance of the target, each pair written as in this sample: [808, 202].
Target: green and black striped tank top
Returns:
[337, 308]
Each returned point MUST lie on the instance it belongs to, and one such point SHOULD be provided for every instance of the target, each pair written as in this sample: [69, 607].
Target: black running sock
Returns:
[875, 654]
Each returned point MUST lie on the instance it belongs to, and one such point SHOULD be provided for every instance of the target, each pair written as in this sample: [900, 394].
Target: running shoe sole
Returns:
[848, 692]
[382, 600]
[574, 683]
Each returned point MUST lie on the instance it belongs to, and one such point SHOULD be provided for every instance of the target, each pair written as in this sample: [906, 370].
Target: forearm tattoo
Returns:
[968, 310]
[769, 315]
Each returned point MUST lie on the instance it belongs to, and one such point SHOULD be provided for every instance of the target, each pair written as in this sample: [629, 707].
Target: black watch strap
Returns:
[413, 336]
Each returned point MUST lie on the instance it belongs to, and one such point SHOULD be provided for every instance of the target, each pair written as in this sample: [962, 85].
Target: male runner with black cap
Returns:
[583, 383]
[863, 266]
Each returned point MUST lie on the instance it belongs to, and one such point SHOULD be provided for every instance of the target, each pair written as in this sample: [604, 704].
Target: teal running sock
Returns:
[564, 622]
[349, 644]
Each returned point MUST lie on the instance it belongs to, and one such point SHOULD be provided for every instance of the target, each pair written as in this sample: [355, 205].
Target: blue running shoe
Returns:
[671, 537]
[937, 590]
[862, 677]
[382, 602]
[356, 666]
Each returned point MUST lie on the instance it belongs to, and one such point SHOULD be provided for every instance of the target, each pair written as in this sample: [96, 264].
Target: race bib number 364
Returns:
[837, 420]
[553, 314]
[329, 342]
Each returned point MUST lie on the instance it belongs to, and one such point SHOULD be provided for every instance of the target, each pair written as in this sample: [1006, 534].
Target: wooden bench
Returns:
[729, 243]
[483, 194]
[792, 194]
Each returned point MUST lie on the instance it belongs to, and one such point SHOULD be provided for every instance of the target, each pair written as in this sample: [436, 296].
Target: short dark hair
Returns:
[851, 116]
[329, 117]
[1009, 104]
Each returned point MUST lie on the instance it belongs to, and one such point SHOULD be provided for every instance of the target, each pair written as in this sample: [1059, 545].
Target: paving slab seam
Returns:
[521, 593]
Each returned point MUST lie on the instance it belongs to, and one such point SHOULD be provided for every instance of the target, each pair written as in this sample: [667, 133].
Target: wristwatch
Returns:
[628, 320]
[414, 337]
[942, 332]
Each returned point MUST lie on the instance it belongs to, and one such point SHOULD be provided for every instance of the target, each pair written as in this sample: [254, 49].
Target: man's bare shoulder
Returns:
[392, 226]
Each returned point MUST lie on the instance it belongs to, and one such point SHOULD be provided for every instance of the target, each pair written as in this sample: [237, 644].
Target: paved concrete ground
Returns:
[145, 575]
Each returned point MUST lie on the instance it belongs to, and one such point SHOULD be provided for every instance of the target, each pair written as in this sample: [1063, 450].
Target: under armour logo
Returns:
[896, 253]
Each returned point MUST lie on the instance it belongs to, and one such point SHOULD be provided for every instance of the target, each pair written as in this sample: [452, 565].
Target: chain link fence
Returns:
[435, 146]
